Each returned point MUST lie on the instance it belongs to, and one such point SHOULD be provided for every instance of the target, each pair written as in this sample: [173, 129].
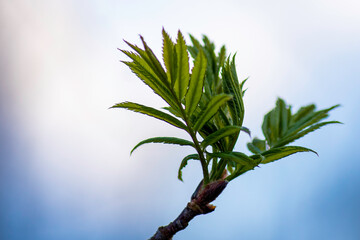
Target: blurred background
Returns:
[65, 167]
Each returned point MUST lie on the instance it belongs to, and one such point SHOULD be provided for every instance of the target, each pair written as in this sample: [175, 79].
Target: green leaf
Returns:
[303, 133]
[182, 80]
[152, 112]
[173, 112]
[252, 148]
[169, 57]
[238, 157]
[150, 79]
[284, 116]
[159, 71]
[310, 119]
[257, 146]
[280, 152]
[302, 113]
[231, 86]
[221, 133]
[156, 63]
[184, 163]
[166, 140]
[195, 90]
[194, 50]
[212, 107]
[266, 127]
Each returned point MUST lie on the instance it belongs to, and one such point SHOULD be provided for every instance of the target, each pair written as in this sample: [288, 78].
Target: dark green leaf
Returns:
[221, 133]
[238, 157]
[173, 112]
[184, 163]
[278, 153]
[154, 60]
[302, 113]
[303, 133]
[257, 146]
[284, 116]
[166, 140]
[311, 118]
[152, 112]
[252, 148]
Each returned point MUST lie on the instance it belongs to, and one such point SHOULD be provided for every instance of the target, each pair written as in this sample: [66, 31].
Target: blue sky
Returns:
[66, 172]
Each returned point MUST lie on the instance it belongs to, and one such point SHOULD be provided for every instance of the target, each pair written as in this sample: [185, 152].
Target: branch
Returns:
[199, 204]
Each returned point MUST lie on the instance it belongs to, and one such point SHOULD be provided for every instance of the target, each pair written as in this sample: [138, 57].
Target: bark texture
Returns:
[199, 204]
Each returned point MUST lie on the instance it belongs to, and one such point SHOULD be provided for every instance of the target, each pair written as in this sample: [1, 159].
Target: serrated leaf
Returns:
[302, 113]
[156, 63]
[195, 90]
[147, 76]
[194, 50]
[173, 112]
[159, 71]
[212, 107]
[166, 140]
[184, 163]
[221, 133]
[311, 118]
[182, 80]
[231, 86]
[303, 133]
[238, 157]
[280, 152]
[169, 57]
[152, 112]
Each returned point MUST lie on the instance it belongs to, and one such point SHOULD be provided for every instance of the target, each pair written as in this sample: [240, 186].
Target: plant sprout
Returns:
[207, 103]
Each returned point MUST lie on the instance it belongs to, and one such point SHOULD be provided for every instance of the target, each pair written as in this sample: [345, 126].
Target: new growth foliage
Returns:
[207, 103]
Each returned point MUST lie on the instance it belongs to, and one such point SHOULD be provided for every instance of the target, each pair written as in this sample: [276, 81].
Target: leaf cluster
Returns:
[207, 102]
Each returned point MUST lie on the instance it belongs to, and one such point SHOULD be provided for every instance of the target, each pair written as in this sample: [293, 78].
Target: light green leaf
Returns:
[221, 133]
[156, 63]
[147, 76]
[169, 57]
[184, 163]
[280, 152]
[166, 140]
[212, 107]
[152, 112]
[195, 90]
[182, 80]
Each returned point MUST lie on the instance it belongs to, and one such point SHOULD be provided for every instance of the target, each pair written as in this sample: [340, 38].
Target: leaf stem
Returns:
[192, 134]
